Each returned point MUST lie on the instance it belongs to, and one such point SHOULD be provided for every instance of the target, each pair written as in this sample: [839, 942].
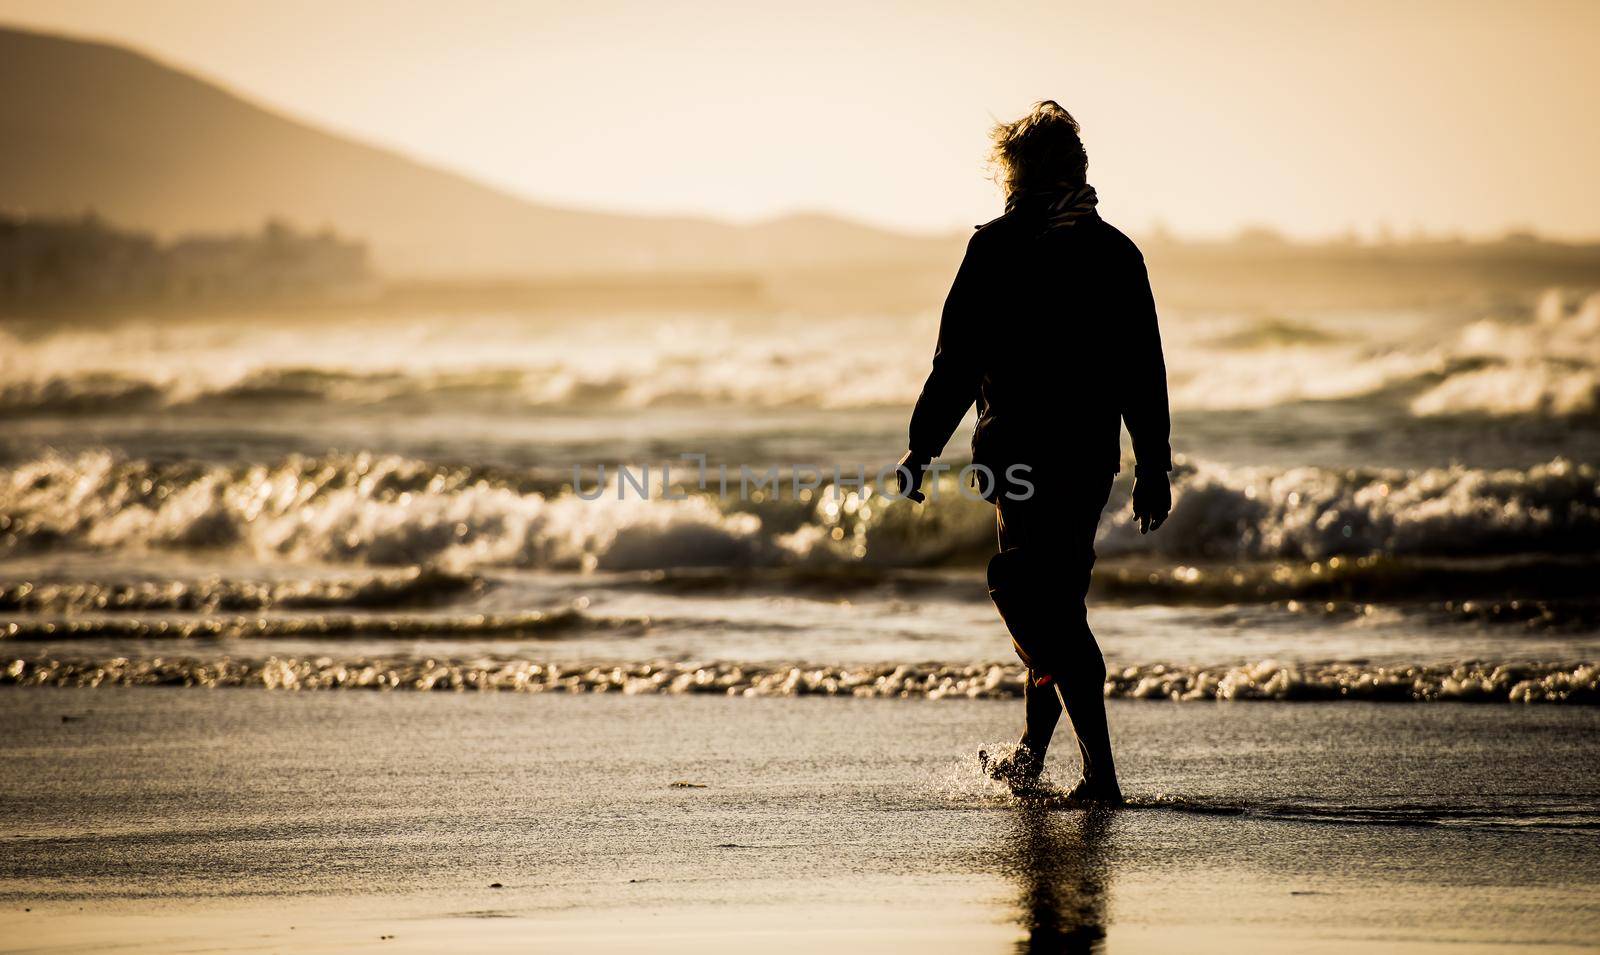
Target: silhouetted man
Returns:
[1051, 328]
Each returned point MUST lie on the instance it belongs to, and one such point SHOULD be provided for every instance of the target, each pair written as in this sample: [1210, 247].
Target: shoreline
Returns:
[1571, 683]
[175, 820]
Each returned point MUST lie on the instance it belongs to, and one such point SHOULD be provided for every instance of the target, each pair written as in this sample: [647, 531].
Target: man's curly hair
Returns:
[1039, 152]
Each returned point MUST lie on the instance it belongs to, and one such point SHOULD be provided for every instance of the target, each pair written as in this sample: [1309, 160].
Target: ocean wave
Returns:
[409, 587]
[98, 392]
[460, 363]
[376, 510]
[1264, 514]
[1476, 682]
[86, 393]
[1271, 333]
[1549, 367]
[393, 511]
[1340, 580]
[1544, 365]
[1539, 593]
[1320, 513]
[531, 624]
[1211, 379]
[1546, 389]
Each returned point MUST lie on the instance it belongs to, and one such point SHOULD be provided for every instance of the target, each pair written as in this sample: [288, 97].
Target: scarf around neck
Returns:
[1062, 207]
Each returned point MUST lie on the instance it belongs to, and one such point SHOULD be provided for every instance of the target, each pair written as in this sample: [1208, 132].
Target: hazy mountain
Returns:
[92, 126]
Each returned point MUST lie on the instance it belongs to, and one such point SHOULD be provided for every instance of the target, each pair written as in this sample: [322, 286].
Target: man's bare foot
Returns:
[1018, 769]
[1089, 790]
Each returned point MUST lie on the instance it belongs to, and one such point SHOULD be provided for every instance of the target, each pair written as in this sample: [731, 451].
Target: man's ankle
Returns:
[1105, 781]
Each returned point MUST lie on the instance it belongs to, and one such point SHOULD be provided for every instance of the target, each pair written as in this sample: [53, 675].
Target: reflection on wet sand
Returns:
[1062, 866]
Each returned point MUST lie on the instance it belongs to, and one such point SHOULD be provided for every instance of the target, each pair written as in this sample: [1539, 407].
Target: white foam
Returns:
[1268, 680]
[1317, 513]
[365, 509]
[388, 510]
[1548, 367]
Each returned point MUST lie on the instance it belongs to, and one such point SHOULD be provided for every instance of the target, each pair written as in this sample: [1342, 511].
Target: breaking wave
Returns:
[1570, 683]
[459, 363]
[1547, 366]
[1550, 367]
[1319, 513]
[393, 511]
[358, 509]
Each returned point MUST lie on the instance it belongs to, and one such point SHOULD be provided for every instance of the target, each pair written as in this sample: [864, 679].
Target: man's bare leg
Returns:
[1040, 610]
[1082, 695]
[1041, 713]
[1020, 769]
[1083, 698]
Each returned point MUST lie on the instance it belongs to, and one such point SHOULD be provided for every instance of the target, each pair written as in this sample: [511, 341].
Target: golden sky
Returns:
[1311, 117]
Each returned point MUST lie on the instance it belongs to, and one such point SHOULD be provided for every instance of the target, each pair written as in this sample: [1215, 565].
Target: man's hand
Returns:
[908, 477]
[1152, 499]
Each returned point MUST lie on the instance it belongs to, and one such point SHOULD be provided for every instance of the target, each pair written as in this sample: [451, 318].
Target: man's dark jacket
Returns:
[1053, 333]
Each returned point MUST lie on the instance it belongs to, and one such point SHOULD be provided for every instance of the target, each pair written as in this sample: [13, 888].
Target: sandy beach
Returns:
[155, 819]
[449, 496]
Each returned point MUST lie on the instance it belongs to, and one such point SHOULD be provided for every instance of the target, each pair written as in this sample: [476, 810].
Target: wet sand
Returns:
[167, 819]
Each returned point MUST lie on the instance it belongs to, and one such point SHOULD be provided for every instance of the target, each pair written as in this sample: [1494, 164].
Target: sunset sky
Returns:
[1314, 118]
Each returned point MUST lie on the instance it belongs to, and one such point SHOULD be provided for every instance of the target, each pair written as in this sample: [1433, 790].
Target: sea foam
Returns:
[1475, 682]
[1545, 363]
[1549, 367]
[393, 511]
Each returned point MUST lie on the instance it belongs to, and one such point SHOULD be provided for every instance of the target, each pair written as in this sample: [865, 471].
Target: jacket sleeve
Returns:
[952, 385]
[1144, 395]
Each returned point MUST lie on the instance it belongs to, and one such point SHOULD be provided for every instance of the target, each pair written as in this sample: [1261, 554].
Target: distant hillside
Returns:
[93, 126]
